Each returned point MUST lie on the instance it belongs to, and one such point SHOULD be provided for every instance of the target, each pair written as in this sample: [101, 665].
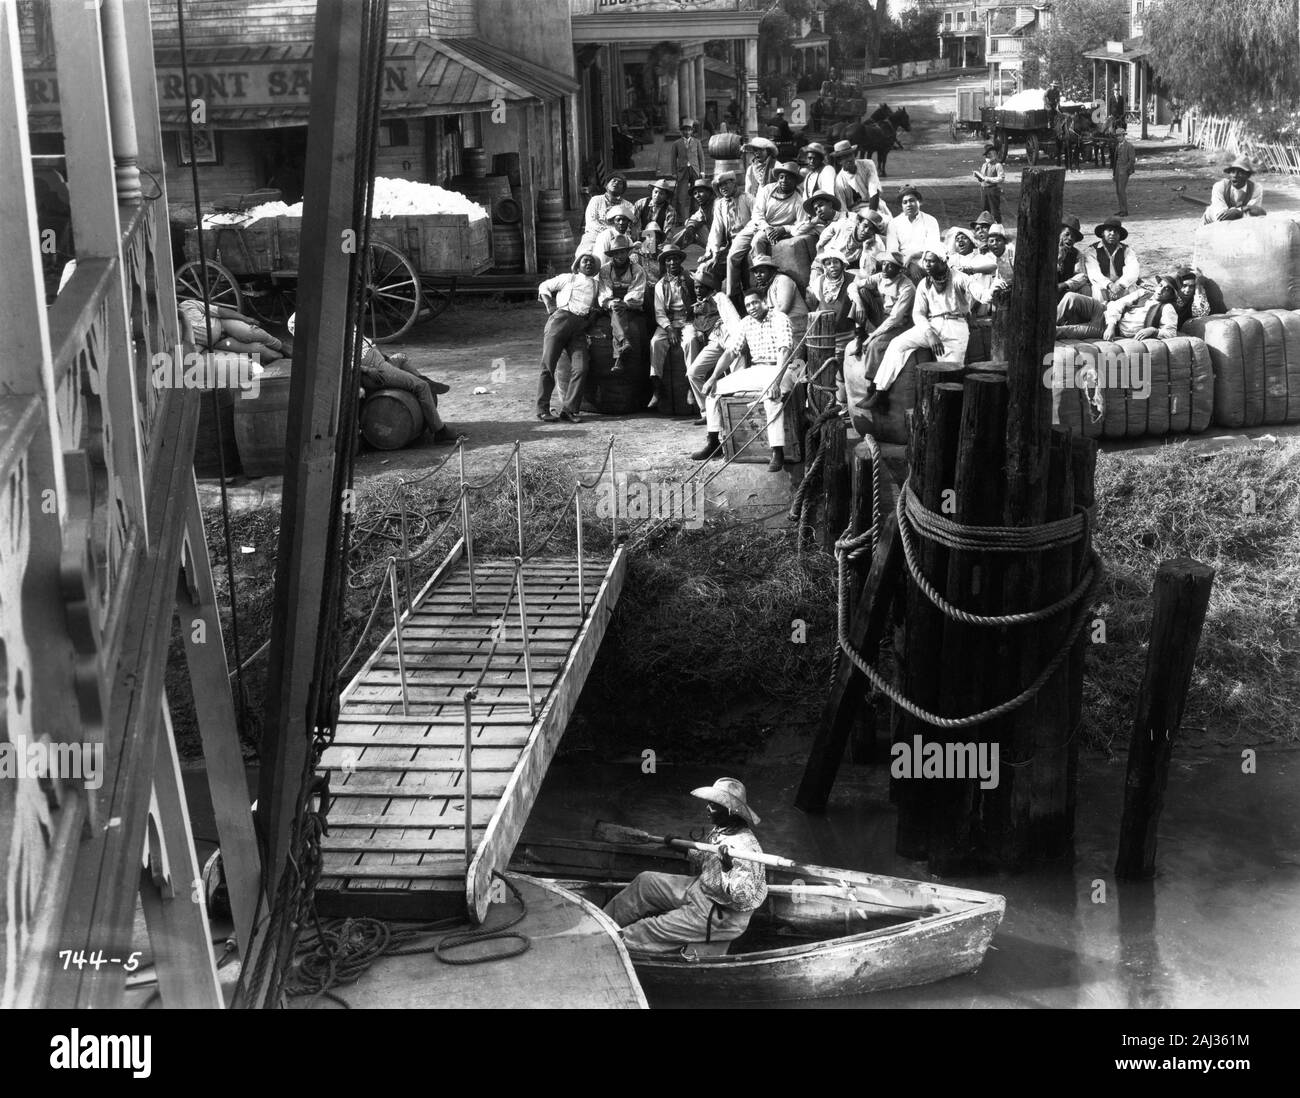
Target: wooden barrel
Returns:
[474, 162]
[507, 164]
[207, 450]
[725, 146]
[628, 391]
[261, 423]
[508, 248]
[555, 246]
[507, 211]
[391, 419]
[486, 190]
[550, 206]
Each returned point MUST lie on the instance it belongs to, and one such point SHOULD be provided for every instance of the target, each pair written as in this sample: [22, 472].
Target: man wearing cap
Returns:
[674, 309]
[620, 291]
[570, 300]
[717, 326]
[995, 281]
[1070, 274]
[821, 175]
[940, 322]
[731, 213]
[776, 210]
[990, 176]
[964, 253]
[980, 227]
[781, 294]
[620, 220]
[686, 163]
[913, 234]
[662, 912]
[1122, 165]
[1237, 196]
[766, 340]
[596, 219]
[1111, 265]
[762, 160]
[882, 309]
[655, 210]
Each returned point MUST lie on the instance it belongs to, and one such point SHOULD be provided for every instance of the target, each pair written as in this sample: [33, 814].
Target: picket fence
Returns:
[1231, 135]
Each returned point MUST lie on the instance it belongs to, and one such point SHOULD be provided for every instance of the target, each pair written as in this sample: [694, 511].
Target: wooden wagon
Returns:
[410, 267]
[1031, 128]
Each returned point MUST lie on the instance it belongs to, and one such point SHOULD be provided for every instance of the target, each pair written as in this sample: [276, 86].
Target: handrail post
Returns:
[613, 494]
[406, 544]
[519, 497]
[577, 519]
[397, 630]
[523, 627]
[469, 778]
[467, 535]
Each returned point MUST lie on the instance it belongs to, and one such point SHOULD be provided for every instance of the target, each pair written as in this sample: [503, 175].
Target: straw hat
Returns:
[702, 184]
[762, 144]
[816, 147]
[724, 177]
[984, 218]
[832, 253]
[789, 168]
[620, 243]
[671, 250]
[761, 261]
[623, 209]
[664, 184]
[730, 794]
[822, 196]
[1111, 223]
[843, 149]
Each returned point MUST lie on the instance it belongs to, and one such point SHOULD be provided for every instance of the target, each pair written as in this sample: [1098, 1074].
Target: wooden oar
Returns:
[617, 833]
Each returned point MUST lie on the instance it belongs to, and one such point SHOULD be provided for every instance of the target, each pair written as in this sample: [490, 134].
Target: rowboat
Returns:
[815, 937]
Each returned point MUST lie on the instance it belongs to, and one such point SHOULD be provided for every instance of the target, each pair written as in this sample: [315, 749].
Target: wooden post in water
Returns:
[1083, 458]
[1182, 596]
[931, 470]
[836, 503]
[862, 735]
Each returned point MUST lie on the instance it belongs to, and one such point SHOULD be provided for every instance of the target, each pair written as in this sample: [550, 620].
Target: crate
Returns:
[737, 431]
[248, 249]
[436, 244]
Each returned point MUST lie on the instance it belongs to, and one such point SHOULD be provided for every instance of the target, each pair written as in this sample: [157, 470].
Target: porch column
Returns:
[121, 113]
[672, 99]
[702, 102]
[751, 86]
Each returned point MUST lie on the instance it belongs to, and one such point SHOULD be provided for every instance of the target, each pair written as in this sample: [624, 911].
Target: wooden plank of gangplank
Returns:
[447, 839]
[432, 760]
[392, 876]
[493, 853]
[435, 736]
[438, 695]
[441, 786]
[449, 715]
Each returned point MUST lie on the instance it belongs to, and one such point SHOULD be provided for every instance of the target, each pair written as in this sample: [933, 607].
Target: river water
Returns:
[1219, 926]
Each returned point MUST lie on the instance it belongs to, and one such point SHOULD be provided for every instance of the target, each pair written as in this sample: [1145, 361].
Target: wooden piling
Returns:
[1083, 459]
[862, 732]
[931, 473]
[835, 484]
[1181, 597]
[975, 585]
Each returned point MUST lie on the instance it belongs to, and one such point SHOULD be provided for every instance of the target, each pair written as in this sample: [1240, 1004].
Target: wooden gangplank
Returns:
[396, 842]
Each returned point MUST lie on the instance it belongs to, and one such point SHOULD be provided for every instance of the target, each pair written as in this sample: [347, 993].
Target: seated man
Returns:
[964, 253]
[381, 371]
[1146, 313]
[830, 292]
[731, 213]
[696, 228]
[1111, 265]
[762, 159]
[657, 210]
[782, 293]
[882, 309]
[821, 175]
[620, 220]
[595, 220]
[717, 326]
[1070, 273]
[228, 329]
[1194, 299]
[620, 291]
[913, 234]
[1237, 196]
[860, 236]
[940, 322]
[570, 300]
[1003, 256]
[662, 912]
[766, 340]
[674, 303]
[776, 210]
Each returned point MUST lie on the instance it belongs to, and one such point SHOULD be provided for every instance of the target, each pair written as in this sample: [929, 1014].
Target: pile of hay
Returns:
[1239, 512]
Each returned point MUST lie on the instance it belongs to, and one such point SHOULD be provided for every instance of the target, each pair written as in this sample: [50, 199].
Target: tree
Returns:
[1076, 25]
[912, 37]
[1227, 56]
[854, 27]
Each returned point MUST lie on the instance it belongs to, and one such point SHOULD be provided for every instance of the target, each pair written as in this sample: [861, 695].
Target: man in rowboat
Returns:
[662, 912]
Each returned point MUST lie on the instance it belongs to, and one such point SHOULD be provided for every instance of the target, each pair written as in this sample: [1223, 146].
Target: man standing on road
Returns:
[991, 175]
[1122, 167]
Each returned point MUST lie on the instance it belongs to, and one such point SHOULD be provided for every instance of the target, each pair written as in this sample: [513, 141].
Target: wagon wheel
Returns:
[437, 296]
[1002, 143]
[952, 126]
[222, 287]
[1031, 149]
[392, 293]
[275, 300]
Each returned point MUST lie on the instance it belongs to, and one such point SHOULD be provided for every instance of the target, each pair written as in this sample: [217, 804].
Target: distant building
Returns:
[962, 31]
[1124, 65]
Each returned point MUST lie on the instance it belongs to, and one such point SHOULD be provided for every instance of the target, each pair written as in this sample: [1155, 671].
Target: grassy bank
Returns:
[703, 658]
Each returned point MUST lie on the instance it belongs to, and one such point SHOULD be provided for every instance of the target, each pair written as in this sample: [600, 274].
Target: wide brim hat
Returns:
[871, 217]
[843, 149]
[706, 279]
[762, 144]
[760, 262]
[671, 250]
[788, 168]
[1111, 223]
[832, 253]
[701, 184]
[1241, 163]
[998, 229]
[730, 794]
[623, 209]
[822, 196]
[724, 177]
[664, 184]
[984, 218]
[815, 147]
[577, 259]
[895, 258]
[1072, 223]
[620, 243]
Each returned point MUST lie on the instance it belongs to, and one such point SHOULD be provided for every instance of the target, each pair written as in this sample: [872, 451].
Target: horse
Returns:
[1077, 139]
[880, 136]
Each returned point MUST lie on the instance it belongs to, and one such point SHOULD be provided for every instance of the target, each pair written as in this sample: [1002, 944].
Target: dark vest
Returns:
[1103, 260]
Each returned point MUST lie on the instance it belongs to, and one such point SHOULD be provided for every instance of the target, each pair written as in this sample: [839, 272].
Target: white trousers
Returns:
[954, 333]
[661, 912]
[753, 379]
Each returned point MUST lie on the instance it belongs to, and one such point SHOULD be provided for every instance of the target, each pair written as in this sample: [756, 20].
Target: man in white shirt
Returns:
[821, 175]
[913, 234]
[1237, 196]
[620, 291]
[569, 301]
[882, 309]
[731, 213]
[620, 219]
[595, 221]
[766, 339]
[776, 210]
[1112, 266]
[762, 159]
